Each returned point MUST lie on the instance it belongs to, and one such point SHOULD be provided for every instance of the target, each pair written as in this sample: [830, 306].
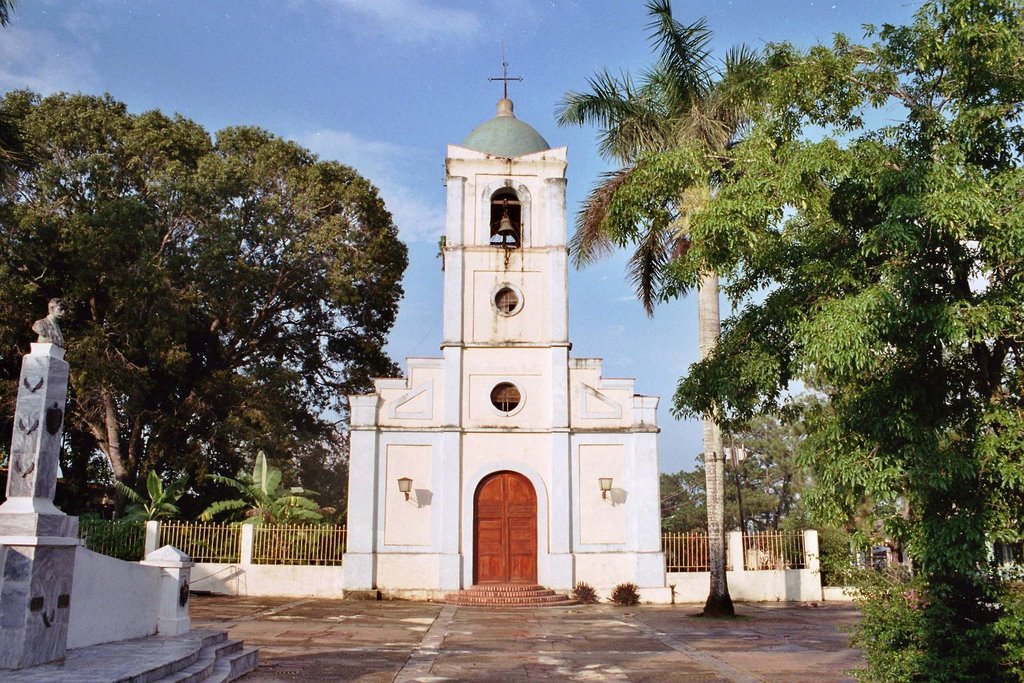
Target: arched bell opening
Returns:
[506, 219]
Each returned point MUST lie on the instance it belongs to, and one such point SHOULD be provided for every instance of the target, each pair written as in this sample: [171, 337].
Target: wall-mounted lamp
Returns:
[606, 485]
[405, 486]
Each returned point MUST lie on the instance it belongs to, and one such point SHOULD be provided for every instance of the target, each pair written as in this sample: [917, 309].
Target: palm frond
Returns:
[683, 51]
[629, 119]
[5, 11]
[647, 264]
[604, 104]
[704, 125]
[591, 240]
[739, 91]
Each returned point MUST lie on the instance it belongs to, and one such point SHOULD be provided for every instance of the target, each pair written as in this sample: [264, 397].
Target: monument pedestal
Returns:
[37, 540]
[35, 596]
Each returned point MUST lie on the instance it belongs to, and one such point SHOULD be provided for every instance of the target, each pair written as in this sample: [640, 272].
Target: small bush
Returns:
[942, 631]
[123, 540]
[626, 594]
[584, 593]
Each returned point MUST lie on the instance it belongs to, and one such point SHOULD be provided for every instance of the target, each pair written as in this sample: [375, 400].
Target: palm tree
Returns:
[264, 500]
[5, 11]
[682, 105]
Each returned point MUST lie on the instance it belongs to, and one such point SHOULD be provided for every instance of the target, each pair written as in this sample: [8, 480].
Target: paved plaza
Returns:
[323, 640]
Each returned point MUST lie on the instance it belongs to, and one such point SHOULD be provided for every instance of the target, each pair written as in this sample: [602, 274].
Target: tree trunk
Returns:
[105, 427]
[719, 602]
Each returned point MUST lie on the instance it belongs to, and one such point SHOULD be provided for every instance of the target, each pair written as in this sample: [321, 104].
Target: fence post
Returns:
[735, 550]
[811, 560]
[175, 571]
[248, 534]
[152, 541]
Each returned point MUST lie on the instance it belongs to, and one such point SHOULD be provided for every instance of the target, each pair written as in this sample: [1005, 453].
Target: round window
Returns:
[505, 397]
[506, 301]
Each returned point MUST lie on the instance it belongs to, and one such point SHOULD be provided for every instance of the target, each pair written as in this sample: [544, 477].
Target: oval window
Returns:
[505, 397]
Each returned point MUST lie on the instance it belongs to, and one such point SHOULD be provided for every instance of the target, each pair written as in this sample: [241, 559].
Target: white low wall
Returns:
[265, 580]
[768, 585]
[801, 585]
[839, 593]
[111, 600]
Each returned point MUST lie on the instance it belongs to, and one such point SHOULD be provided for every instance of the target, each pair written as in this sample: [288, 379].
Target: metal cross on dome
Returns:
[504, 72]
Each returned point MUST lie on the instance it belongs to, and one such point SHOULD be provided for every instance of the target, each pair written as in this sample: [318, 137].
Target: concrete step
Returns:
[171, 667]
[234, 666]
[510, 595]
[202, 669]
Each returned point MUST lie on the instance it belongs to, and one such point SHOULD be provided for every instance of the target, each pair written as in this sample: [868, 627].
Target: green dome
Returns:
[505, 135]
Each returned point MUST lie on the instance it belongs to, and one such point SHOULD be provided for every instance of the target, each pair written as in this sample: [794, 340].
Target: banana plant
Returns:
[263, 500]
[162, 499]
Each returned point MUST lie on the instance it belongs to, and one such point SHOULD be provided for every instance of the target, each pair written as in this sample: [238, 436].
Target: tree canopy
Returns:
[884, 263]
[225, 294]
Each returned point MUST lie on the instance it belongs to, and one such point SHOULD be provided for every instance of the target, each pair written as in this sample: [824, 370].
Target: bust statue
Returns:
[47, 328]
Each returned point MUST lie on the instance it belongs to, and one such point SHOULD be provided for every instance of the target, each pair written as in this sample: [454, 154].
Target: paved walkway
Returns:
[322, 640]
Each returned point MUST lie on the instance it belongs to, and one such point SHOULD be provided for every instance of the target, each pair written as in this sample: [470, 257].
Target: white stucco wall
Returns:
[111, 600]
[407, 522]
[267, 580]
[602, 518]
[793, 585]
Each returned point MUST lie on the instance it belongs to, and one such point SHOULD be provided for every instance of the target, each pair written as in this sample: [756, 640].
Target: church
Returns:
[504, 462]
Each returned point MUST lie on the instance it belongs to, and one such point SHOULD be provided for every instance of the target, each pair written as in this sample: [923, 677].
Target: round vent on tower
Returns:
[507, 300]
[506, 398]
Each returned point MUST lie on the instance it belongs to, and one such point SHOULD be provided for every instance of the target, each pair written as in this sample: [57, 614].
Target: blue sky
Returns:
[385, 85]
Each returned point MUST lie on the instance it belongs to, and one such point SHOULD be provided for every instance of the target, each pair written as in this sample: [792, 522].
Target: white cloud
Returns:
[410, 20]
[417, 217]
[39, 61]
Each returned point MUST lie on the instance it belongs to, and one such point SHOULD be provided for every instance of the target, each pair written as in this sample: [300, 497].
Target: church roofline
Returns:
[468, 154]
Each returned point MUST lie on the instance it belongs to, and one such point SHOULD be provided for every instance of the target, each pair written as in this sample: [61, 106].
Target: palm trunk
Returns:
[719, 603]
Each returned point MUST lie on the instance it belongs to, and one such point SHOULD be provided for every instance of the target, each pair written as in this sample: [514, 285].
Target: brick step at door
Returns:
[508, 596]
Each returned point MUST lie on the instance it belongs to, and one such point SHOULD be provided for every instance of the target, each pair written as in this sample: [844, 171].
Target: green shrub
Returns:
[120, 539]
[939, 630]
[584, 593]
[626, 594]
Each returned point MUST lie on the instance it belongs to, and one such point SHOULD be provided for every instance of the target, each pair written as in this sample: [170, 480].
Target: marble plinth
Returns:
[35, 596]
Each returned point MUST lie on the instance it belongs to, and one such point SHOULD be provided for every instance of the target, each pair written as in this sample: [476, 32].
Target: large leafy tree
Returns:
[887, 265]
[225, 295]
[684, 104]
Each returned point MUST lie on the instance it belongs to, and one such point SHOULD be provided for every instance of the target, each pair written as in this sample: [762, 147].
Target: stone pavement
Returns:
[325, 640]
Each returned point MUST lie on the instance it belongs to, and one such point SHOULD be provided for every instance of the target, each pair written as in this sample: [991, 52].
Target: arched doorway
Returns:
[505, 530]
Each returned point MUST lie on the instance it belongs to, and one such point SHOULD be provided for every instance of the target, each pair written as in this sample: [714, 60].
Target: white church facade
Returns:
[504, 461]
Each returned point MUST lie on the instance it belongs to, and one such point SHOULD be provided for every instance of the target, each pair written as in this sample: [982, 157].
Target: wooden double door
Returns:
[505, 530]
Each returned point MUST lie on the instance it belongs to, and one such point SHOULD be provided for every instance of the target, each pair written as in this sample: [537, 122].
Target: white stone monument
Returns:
[37, 540]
